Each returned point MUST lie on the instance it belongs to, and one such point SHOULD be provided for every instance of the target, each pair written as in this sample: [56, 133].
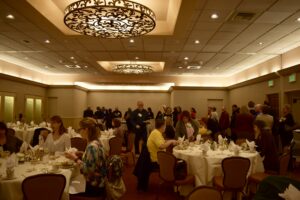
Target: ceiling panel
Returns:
[224, 44]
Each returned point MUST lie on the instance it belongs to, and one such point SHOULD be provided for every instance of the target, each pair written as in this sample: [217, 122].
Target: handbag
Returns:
[180, 169]
[115, 190]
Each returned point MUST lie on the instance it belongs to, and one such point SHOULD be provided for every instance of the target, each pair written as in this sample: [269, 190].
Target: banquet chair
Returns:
[43, 186]
[115, 146]
[235, 170]
[258, 177]
[167, 164]
[205, 192]
[78, 143]
[128, 153]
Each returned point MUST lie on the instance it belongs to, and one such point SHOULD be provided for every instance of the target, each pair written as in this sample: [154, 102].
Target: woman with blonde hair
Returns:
[58, 140]
[93, 162]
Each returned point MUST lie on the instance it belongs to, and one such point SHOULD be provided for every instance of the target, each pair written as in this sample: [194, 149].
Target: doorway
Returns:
[273, 100]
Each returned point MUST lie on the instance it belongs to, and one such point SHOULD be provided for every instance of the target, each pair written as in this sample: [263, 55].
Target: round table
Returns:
[204, 168]
[11, 189]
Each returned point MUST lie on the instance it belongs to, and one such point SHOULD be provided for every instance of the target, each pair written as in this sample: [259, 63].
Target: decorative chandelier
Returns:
[132, 69]
[109, 18]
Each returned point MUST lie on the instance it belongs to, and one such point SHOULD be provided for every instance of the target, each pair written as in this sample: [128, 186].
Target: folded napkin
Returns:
[32, 123]
[11, 161]
[198, 138]
[18, 123]
[206, 147]
[251, 145]
[290, 193]
[220, 139]
[181, 139]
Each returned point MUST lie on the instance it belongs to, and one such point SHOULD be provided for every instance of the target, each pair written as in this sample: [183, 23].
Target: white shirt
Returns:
[61, 144]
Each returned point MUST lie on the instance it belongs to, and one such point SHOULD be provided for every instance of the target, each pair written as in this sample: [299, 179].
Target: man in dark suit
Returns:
[138, 119]
[9, 142]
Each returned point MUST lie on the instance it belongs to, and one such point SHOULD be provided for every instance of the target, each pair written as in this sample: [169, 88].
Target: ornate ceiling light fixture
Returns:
[132, 69]
[109, 18]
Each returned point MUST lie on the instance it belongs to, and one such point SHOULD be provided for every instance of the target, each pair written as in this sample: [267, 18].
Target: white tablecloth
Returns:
[204, 168]
[12, 189]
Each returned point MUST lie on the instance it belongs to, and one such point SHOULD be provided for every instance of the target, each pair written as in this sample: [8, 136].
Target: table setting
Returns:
[204, 159]
[15, 168]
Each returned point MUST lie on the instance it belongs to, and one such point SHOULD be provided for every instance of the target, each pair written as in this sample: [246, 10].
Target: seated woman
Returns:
[170, 130]
[93, 163]
[186, 126]
[266, 145]
[39, 137]
[58, 140]
[9, 142]
[156, 141]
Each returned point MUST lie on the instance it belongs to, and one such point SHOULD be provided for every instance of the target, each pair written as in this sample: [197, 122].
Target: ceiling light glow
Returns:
[159, 87]
[10, 16]
[214, 16]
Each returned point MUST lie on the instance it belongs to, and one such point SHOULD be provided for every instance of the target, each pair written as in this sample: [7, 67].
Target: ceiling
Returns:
[227, 45]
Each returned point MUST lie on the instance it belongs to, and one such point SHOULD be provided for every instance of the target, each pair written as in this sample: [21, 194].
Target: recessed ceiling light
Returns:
[137, 58]
[188, 67]
[131, 40]
[10, 16]
[186, 58]
[197, 41]
[47, 41]
[198, 67]
[71, 57]
[180, 67]
[214, 16]
[298, 19]
[260, 43]
[85, 66]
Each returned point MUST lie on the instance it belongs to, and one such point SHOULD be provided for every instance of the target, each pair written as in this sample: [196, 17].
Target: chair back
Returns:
[167, 162]
[79, 143]
[284, 160]
[43, 186]
[205, 193]
[235, 171]
[115, 146]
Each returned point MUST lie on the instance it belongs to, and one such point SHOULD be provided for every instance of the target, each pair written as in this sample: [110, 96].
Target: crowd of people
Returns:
[255, 122]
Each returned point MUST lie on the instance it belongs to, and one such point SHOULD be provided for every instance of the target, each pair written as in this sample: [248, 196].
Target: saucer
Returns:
[7, 179]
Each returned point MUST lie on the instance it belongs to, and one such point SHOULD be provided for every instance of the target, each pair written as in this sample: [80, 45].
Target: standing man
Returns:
[138, 119]
[224, 122]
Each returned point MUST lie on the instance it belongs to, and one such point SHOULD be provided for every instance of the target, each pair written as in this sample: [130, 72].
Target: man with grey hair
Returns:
[138, 119]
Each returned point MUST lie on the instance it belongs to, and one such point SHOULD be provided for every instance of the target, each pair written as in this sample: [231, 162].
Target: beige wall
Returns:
[20, 91]
[123, 100]
[256, 92]
[197, 99]
[71, 103]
